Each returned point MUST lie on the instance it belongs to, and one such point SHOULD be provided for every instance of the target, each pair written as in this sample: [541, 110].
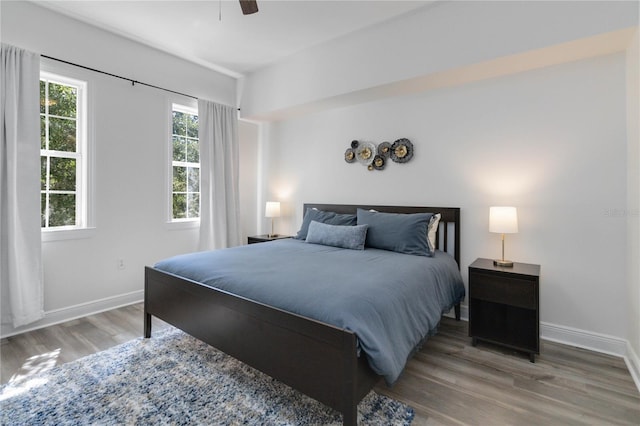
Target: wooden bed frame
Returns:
[315, 358]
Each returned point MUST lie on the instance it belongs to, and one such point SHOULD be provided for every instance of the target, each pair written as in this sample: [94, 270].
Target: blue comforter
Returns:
[391, 301]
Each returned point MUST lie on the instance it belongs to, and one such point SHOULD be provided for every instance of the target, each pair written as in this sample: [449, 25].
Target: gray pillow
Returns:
[321, 216]
[349, 237]
[402, 233]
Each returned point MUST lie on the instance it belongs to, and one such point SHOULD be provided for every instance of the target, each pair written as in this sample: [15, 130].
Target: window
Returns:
[62, 152]
[185, 164]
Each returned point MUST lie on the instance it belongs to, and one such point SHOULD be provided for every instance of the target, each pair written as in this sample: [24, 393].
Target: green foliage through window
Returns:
[59, 154]
[185, 165]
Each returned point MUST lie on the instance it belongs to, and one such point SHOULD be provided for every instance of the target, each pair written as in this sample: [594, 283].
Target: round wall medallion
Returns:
[402, 150]
[349, 155]
[365, 153]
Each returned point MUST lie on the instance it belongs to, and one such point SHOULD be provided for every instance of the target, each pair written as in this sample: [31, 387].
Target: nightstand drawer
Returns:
[507, 290]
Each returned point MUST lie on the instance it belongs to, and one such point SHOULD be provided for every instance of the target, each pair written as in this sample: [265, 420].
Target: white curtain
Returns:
[20, 250]
[219, 201]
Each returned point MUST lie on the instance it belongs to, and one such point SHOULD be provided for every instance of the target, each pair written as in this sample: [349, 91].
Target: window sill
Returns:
[67, 234]
[176, 225]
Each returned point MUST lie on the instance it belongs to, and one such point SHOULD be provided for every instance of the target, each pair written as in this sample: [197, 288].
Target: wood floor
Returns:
[449, 382]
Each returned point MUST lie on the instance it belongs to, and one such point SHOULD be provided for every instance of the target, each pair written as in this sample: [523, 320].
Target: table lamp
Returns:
[503, 220]
[272, 209]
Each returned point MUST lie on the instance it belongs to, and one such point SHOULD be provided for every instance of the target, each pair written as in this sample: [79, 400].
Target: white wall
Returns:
[551, 142]
[130, 137]
[434, 39]
[633, 207]
[248, 174]
[40, 30]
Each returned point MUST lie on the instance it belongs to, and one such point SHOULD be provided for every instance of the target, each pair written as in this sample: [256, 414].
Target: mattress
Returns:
[391, 301]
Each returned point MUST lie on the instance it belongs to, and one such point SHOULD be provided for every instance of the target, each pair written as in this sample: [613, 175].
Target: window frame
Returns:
[85, 226]
[188, 106]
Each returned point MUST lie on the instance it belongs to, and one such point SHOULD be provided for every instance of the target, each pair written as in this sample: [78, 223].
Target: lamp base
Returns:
[502, 262]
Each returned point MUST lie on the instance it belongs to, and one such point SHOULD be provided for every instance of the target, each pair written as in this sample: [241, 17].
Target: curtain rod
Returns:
[133, 82]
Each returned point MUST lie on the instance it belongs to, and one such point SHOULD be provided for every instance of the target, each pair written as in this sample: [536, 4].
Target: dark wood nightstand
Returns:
[264, 238]
[504, 305]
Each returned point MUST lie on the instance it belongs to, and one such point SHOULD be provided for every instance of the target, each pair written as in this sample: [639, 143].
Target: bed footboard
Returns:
[317, 359]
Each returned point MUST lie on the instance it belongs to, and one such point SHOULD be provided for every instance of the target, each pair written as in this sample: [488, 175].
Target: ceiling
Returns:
[215, 34]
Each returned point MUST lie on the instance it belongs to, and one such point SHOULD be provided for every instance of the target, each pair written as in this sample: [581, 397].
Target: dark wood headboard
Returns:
[450, 221]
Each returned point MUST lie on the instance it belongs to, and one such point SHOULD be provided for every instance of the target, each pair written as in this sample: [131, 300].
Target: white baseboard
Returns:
[596, 342]
[573, 337]
[584, 339]
[58, 316]
[633, 364]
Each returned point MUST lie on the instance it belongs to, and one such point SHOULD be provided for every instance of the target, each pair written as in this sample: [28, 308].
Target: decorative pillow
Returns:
[349, 237]
[431, 232]
[402, 233]
[331, 218]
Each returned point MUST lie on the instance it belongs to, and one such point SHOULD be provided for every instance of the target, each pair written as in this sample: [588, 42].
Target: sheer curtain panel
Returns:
[219, 202]
[20, 250]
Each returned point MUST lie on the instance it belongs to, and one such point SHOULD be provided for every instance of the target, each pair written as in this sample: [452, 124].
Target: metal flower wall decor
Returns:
[375, 157]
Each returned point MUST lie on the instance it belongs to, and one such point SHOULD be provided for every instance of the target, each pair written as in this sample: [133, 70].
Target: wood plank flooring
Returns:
[449, 382]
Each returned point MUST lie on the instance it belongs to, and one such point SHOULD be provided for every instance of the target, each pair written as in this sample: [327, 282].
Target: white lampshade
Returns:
[272, 209]
[503, 220]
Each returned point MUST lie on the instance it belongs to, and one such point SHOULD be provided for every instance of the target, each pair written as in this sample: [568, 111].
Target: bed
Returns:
[318, 355]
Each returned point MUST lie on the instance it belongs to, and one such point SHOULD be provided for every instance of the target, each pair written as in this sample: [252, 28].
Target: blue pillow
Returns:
[350, 237]
[331, 218]
[402, 233]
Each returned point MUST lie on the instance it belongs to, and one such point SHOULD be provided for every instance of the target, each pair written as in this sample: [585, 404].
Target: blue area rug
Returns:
[175, 379]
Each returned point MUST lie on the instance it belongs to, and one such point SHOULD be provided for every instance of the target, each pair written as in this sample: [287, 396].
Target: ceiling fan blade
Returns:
[249, 6]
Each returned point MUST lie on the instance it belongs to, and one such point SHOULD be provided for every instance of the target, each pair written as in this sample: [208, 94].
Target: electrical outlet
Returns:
[120, 264]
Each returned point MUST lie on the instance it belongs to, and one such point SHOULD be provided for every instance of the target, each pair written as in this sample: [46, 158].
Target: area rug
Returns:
[174, 379]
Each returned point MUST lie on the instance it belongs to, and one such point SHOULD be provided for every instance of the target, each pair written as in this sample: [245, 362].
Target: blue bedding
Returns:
[391, 301]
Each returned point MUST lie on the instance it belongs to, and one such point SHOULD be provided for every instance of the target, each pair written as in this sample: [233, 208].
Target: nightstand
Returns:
[264, 238]
[504, 305]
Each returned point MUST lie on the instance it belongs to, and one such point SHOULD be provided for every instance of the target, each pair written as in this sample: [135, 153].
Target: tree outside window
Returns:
[185, 192]
[60, 152]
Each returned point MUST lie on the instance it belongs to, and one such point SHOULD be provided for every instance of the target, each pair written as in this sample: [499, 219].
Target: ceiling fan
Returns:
[249, 6]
